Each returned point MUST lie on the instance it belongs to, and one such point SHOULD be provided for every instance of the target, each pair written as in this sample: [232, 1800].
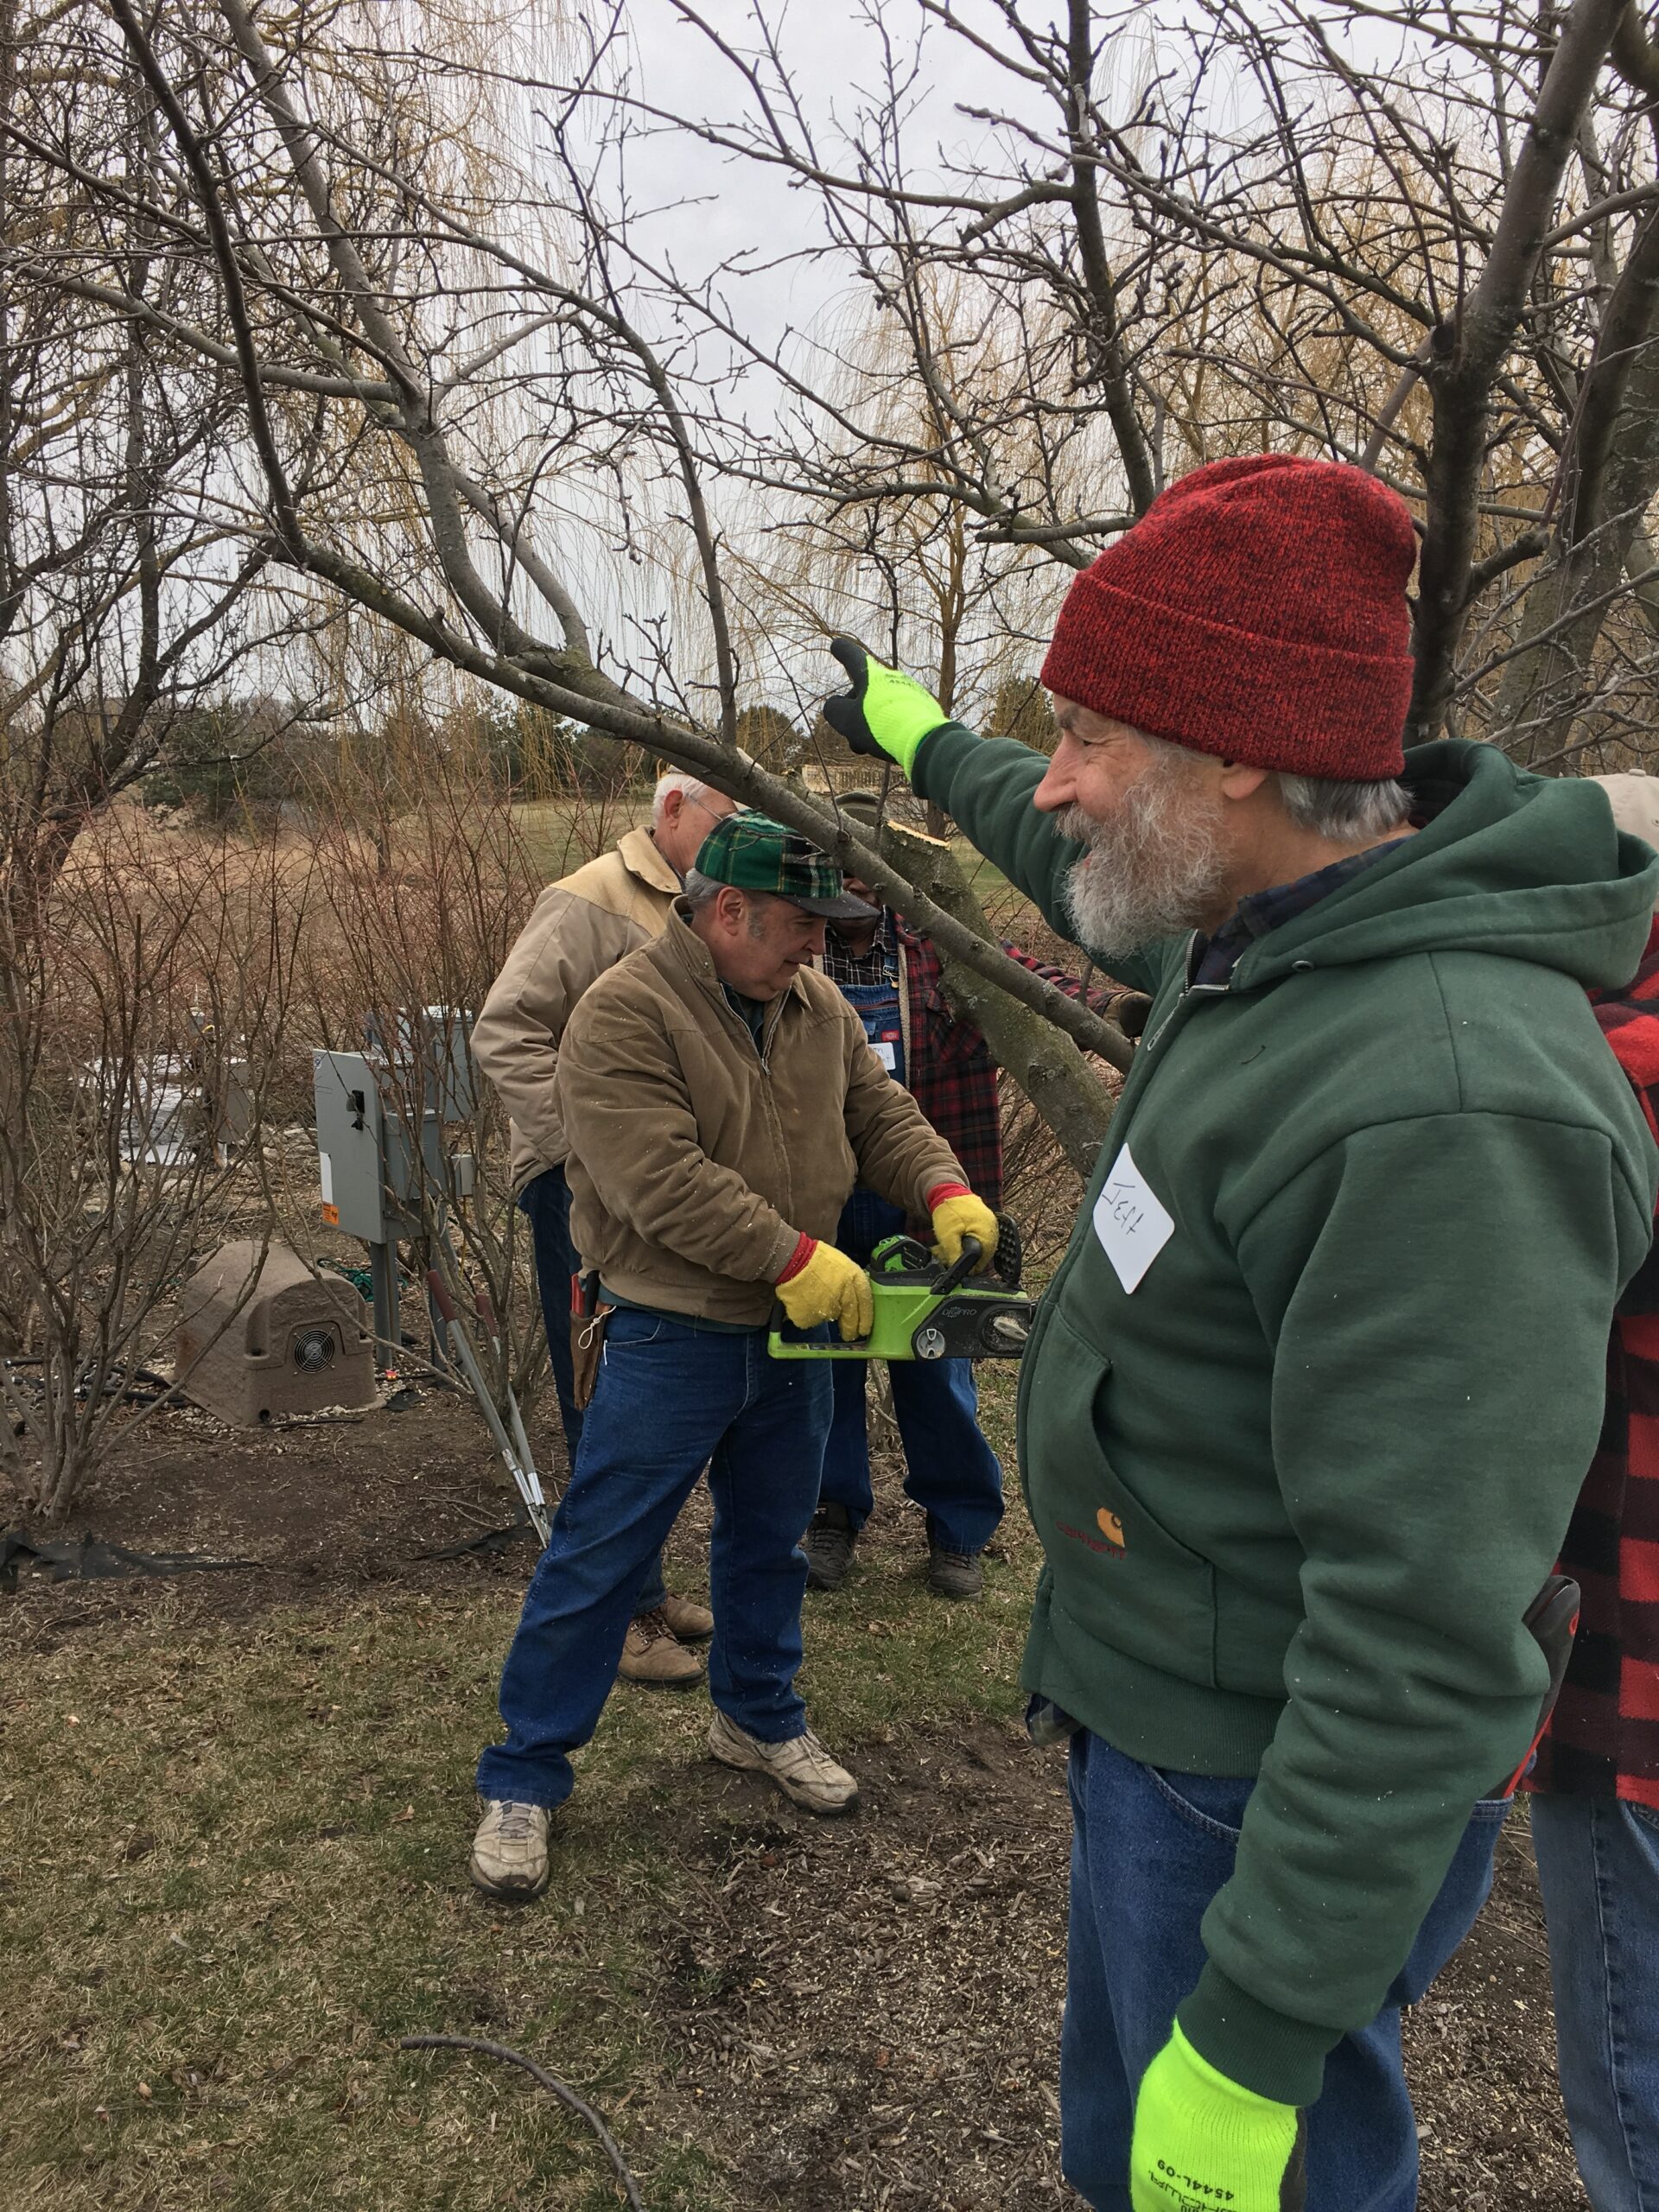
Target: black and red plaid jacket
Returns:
[950, 1074]
[1604, 1738]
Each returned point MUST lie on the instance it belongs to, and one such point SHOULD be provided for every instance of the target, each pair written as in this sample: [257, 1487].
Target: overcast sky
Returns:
[717, 208]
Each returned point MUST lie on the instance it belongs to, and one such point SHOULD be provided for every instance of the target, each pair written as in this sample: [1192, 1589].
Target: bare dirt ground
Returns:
[842, 2015]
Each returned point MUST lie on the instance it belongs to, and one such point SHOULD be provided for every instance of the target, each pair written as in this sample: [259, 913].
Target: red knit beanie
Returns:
[1257, 610]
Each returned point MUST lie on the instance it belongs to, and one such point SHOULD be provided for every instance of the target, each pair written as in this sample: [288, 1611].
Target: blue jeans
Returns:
[950, 1471]
[671, 1398]
[1148, 1852]
[545, 1203]
[1599, 1869]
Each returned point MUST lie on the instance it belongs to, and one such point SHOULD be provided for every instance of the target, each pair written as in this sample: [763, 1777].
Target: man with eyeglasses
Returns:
[580, 928]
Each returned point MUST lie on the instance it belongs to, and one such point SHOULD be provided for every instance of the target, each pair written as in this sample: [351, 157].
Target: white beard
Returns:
[1154, 869]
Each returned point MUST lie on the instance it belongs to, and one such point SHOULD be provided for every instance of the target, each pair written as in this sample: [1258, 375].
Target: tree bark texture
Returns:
[1480, 334]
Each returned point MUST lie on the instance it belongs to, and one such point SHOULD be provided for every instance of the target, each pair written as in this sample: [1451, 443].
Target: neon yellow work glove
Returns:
[886, 712]
[958, 1213]
[1202, 2139]
[829, 1286]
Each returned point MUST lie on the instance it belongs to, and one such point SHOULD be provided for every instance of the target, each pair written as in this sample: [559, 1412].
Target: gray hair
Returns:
[701, 890]
[1343, 809]
[676, 780]
[1338, 808]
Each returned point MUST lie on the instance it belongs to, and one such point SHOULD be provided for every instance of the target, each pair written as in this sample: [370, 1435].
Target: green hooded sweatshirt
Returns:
[1310, 1398]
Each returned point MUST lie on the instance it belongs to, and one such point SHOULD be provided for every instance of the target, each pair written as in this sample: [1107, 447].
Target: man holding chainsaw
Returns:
[580, 927]
[1311, 1395]
[721, 1102]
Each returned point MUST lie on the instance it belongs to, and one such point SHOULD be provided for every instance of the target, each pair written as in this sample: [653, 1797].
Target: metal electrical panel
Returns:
[429, 1059]
[350, 1117]
[375, 1186]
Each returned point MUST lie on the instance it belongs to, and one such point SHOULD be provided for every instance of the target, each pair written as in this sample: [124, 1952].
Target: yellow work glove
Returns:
[1203, 2140]
[885, 711]
[958, 1213]
[826, 1286]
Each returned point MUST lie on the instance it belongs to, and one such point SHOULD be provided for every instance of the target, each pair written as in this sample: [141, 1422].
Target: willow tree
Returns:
[472, 400]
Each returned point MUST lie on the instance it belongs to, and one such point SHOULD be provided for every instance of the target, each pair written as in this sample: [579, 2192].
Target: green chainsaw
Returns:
[926, 1310]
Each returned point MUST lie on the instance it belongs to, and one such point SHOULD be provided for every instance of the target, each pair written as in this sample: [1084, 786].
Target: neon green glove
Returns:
[958, 1213]
[1202, 2140]
[886, 712]
[824, 1285]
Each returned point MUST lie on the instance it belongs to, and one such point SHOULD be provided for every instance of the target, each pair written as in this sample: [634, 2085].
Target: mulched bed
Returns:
[867, 2013]
[325, 1505]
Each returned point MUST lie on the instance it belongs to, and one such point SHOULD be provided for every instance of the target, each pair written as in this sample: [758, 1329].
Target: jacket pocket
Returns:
[1119, 1573]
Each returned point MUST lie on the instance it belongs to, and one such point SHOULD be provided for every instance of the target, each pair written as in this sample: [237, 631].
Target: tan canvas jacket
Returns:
[579, 927]
[695, 1162]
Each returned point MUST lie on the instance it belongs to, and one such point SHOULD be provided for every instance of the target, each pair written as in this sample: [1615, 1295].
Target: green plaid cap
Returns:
[752, 852]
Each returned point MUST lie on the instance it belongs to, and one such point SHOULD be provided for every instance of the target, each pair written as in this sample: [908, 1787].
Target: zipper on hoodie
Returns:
[1183, 1007]
[1188, 991]
[1185, 1000]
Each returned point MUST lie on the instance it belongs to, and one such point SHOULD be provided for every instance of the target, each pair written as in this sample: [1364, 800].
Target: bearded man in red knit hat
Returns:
[1311, 1394]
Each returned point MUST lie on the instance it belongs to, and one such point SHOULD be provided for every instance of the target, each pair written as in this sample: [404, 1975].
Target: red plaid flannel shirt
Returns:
[951, 1074]
[1603, 1740]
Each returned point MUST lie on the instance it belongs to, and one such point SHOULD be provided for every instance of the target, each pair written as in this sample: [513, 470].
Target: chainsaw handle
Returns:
[781, 1347]
[967, 1259]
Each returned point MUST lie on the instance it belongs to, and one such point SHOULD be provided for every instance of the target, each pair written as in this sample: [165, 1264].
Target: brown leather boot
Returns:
[651, 1655]
[829, 1544]
[691, 1622]
[954, 1574]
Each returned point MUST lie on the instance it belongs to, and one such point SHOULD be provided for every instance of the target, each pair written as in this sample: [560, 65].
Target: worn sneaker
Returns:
[691, 1622]
[800, 1766]
[509, 1850]
[828, 1548]
[651, 1654]
[955, 1575]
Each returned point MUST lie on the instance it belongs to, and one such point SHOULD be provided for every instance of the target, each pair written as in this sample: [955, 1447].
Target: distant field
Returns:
[560, 834]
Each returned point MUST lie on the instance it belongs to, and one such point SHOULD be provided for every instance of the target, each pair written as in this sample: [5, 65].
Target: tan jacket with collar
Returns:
[696, 1161]
[579, 927]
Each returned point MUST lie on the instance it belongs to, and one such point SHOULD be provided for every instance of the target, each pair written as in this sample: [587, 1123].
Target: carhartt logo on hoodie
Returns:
[1110, 1525]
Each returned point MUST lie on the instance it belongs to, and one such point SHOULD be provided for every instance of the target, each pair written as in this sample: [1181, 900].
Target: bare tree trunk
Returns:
[1615, 453]
[1480, 337]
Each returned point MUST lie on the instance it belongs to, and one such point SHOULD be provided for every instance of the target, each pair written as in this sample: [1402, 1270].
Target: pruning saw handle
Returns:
[1553, 1619]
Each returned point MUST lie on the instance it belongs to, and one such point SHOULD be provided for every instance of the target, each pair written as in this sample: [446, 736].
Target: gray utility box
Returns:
[371, 1177]
[259, 1339]
[427, 1062]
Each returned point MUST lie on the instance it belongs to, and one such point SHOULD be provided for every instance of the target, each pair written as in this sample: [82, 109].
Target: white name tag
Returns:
[885, 1054]
[1131, 1224]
